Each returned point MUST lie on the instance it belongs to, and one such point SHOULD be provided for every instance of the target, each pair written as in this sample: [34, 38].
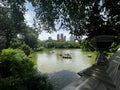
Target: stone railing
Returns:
[99, 77]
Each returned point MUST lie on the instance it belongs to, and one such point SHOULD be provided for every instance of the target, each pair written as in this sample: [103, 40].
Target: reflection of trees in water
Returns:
[62, 78]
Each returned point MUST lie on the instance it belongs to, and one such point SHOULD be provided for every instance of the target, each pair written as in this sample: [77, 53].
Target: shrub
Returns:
[17, 72]
[13, 62]
[21, 45]
[16, 43]
[27, 50]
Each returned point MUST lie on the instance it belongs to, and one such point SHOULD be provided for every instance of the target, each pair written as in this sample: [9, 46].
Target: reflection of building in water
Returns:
[61, 37]
[72, 38]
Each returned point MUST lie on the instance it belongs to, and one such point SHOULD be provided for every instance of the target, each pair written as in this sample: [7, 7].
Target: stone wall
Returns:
[114, 69]
[98, 77]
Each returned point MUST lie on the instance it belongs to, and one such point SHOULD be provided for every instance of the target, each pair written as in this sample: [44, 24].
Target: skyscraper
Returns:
[61, 37]
[64, 38]
[72, 38]
[58, 37]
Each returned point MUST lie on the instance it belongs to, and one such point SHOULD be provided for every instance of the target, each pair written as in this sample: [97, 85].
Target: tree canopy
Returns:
[81, 17]
[13, 25]
[11, 19]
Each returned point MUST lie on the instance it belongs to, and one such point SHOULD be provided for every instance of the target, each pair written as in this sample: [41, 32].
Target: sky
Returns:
[30, 14]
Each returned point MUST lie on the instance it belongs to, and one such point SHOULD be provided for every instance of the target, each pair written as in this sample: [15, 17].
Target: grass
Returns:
[93, 56]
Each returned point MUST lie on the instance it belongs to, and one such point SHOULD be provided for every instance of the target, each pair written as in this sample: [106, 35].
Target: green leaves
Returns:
[14, 63]
[59, 44]
[12, 54]
[81, 17]
[17, 72]
[11, 19]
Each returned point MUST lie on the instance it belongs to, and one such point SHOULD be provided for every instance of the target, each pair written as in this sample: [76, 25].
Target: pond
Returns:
[50, 61]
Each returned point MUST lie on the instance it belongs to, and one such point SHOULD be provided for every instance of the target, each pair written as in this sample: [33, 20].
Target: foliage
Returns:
[38, 82]
[11, 19]
[2, 43]
[84, 46]
[39, 49]
[21, 45]
[27, 50]
[16, 43]
[104, 18]
[13, 25]
[113, 50]
[6, 25]
[59, 44]
[15, 63]
[30, 36]
[90, 17]
[17, 72]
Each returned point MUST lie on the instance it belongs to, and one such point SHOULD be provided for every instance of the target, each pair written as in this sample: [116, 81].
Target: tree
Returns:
[104, 18]
[12, 24]
[11, 19]
[30, 36]
[90, 17]
[6, 25]
[20, 44]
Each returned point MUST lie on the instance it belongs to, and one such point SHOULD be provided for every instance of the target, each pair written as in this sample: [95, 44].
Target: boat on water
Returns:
[89, 55]
[67, 56]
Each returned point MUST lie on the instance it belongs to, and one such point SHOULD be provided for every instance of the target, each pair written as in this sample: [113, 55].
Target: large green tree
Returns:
[12, 24]
[6, 25]
[11, 19]
[90, 17]
[30, 36]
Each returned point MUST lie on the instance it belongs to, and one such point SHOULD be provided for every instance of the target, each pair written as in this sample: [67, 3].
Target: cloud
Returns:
[1, 5]
[30, 14]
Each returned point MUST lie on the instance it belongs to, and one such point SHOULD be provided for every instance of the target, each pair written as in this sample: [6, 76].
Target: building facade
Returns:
[61, 37]
[72, 38]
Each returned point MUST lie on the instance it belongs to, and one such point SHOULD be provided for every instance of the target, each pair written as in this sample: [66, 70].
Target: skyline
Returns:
[53, 35]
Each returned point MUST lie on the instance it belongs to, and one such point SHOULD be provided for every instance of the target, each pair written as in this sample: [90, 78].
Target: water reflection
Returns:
[51, 61]
[62, 78]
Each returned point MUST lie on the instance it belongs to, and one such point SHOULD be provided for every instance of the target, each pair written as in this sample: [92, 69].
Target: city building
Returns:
[58, 37]
[64, 38]
[72, 38]
[61, 37]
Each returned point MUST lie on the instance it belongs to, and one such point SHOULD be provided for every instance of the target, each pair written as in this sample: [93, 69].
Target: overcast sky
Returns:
[30, 14]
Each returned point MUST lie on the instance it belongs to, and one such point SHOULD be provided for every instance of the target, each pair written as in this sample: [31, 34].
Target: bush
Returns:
[21, 45]
[39, 49]
[17, 72]
[27, 50]
[61, 44]
[16, 43]
[85, 46]
[13, 62]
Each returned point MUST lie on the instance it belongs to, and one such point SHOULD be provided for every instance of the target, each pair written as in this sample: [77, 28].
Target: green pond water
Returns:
[50, 61]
